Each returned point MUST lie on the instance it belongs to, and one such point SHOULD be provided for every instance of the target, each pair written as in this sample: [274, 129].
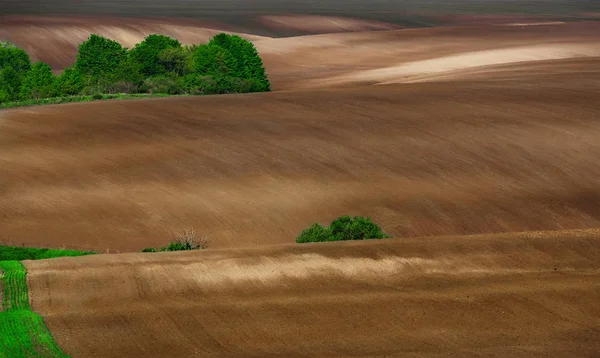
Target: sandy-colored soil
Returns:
[444, 131]
[406, 55]
[530, 295]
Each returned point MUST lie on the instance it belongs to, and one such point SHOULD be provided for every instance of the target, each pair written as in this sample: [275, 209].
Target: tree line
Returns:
[159, 64]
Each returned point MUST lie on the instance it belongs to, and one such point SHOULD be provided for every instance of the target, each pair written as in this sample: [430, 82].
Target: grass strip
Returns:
[72, 99]
[32, 253]
[15, 295]
[22, 331]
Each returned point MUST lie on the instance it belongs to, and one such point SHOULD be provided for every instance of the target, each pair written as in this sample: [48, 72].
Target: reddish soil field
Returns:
[445, 131]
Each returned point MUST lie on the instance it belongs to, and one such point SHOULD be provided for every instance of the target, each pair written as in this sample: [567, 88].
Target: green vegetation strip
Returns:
[73, 99]
[32, 253]
[22, 331]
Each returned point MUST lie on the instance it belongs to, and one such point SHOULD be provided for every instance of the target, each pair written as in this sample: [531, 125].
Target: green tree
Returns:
[213, 60]
[10, 84]
[38, 82]
[99, 58]
[127, 77]
[14, 64]
[253, 66]
[248, 63]
[146, 53]
[231, 44]
[4, 95]
[12, 56]
[178, 60]
[69, 83]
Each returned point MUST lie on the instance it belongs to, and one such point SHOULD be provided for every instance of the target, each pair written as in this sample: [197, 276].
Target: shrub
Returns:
[99, 58]
[315, 233]
[198, 84]
[341, 229]
[38, 82]
[97, 96]
[162, 84]
[186, 240]
[146, 53]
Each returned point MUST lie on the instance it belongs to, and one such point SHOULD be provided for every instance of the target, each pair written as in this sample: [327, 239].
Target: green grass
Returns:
[70, 99]
[15, 295]
[23, 334]
[22, 331]
[28, 253]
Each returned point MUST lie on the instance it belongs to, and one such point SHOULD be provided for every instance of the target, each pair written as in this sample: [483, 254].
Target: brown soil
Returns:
[421, 159]
[511, 144]
[515, 295]
[55, 40]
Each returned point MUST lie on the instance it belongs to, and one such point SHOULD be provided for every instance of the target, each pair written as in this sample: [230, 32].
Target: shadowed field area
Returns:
[421, 159]
[517, 295]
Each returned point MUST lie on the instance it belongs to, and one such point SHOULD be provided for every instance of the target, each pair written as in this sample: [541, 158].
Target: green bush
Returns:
[315, 233]
[162, 84]
[341, 229]
[146, 53]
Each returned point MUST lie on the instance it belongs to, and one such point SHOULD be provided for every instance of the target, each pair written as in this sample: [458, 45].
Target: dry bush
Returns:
[190, 239]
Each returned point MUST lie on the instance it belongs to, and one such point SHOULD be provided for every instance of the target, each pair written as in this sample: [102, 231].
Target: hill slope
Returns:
[517, 295]
[421, 159]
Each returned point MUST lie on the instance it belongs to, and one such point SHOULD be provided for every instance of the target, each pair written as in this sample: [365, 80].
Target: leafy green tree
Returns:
[248, 63]
[231, 44]
[10, 84]
[14, 64]
[214, 60]
[69, 83]
[146, 53]
[178, 60]
[38, 82]
[99, 58]
[127, 78]
[4, 95]
[12, 56]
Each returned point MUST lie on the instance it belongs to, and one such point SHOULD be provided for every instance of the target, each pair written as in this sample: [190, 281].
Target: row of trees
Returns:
[159, 64]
